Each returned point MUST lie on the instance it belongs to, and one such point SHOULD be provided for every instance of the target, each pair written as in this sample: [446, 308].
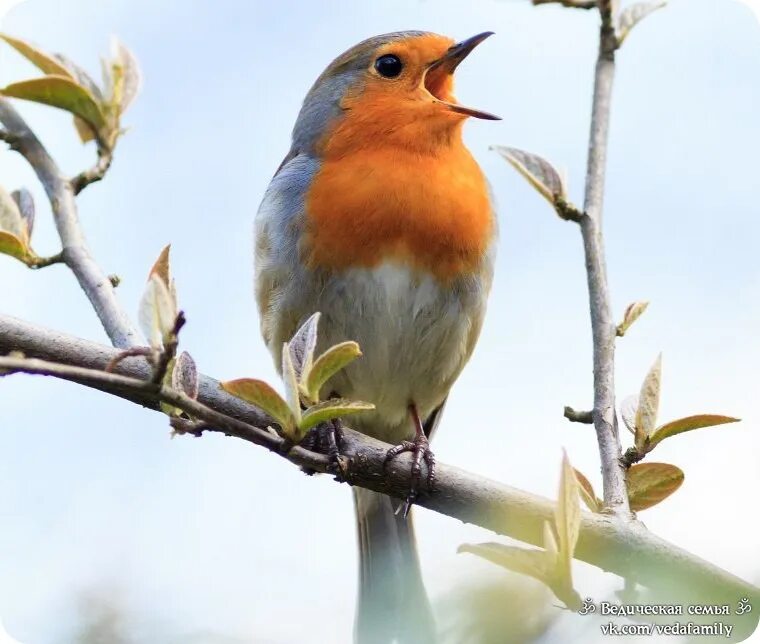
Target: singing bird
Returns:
[381, 219]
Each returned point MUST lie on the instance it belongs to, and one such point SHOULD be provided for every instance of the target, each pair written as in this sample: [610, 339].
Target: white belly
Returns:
[415, 336]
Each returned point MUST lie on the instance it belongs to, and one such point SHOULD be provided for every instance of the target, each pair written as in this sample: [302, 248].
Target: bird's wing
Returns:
[284, 288]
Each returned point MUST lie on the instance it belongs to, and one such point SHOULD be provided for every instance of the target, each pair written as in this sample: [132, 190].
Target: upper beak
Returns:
[447, 63]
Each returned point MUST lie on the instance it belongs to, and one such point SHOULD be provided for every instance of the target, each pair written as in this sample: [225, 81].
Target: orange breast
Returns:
[380, 203]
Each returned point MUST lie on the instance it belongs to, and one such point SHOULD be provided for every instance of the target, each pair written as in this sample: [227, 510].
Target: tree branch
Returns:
[626, 549]
[76, 254]
[574, 416]
[602, 324]
[96, 173]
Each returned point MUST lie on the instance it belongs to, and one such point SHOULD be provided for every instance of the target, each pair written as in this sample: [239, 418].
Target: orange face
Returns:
[396, 182]
[405, 91]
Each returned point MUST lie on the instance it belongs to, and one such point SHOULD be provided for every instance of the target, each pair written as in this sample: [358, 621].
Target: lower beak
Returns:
[447, 63]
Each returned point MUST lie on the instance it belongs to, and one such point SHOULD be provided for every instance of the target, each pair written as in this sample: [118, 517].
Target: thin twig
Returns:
[76, 254]
[585, 417]
[602, 324]
[42, 262]
[623, 548]
[96, 173]
[170, 350]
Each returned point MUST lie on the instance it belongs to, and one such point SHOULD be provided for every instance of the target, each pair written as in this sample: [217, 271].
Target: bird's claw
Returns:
[420, 449]
[326, 438]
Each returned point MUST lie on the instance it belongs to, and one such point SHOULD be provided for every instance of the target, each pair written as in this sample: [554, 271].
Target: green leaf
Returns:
[534, 563]
[649, 404]
[329, 409]
[567, 517]
[80, 76]
[25, 203]
[292, 393]
[628, 409]
[85, 132]
[158, 313]
[259, 393]
[160, 267]
[633, 15]
[14, 237]
[328, 364]
[632, 313]
[129, 78]
[586, 490]
[541, 174]
[60, 92]
[43, 61]
[551, 546]
[686, 425]
[13, 246]
[302, 346]
[651, 483]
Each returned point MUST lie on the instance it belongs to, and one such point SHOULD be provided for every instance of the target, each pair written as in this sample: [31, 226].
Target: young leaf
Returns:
[61, 92]
[649, 404]
[632, 313]
[43, 61]
[328, 364]
[161, 266]
[131, 80]
[158, 313]
[651, 483]
[329, 409]
[11, 220]
[628, 409]
[84, 130]
[292, 394]
[185, 375]
[686, 425]
[521, 560]
[302, 346]
[25, 203]
[80, 76]
[587, 493]
[550, 545]
[633, 15]
[259, 393]
[567, 517]
[541, 174]
[13, 246]
[534, 563]
[13, 231]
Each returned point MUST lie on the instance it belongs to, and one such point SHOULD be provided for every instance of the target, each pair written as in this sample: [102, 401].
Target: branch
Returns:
[585, 417]
[76, 255]
[603, 327]
[96, 173]
[626, 549]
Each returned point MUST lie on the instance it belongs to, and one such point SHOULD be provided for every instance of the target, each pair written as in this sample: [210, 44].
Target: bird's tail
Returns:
[392, 605]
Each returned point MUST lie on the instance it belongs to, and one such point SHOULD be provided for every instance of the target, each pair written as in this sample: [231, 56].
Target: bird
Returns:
[381, 219]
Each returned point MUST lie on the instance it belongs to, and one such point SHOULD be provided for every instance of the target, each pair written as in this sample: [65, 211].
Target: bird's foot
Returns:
[326, 438]
[420, 450]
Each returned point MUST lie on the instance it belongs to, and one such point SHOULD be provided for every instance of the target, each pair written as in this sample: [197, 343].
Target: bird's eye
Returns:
[389, 66]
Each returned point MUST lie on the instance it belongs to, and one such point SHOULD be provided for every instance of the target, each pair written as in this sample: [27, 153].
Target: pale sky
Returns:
[201, 536]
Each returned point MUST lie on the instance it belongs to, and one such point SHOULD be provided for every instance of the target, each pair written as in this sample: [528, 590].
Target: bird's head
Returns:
[395, 88]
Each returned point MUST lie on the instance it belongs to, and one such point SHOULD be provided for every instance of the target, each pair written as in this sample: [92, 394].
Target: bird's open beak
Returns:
[444, 67]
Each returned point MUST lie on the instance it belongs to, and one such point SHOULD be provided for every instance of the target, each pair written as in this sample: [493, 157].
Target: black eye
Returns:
[389, 66]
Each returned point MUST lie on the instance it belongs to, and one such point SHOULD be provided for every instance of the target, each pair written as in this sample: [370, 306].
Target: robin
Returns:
[380, 218]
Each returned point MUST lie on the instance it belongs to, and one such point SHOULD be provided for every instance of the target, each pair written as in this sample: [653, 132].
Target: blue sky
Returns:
[213, 535]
